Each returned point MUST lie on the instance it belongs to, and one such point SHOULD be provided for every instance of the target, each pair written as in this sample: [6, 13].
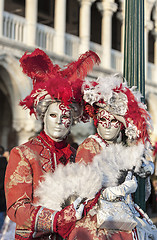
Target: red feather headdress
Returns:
[49, 79]
[112, 94]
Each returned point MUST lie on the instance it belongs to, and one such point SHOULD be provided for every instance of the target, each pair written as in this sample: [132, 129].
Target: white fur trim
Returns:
[86, 180]
[73, 178]
[117, 157]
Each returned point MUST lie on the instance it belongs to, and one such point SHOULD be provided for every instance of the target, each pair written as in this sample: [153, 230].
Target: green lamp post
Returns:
[134, 62]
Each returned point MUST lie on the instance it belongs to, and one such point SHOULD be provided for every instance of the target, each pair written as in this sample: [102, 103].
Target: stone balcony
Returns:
[14, 30]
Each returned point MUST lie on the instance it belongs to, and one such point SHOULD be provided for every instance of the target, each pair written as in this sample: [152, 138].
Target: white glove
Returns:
[127, 187]
[78, 208]
[146, 169]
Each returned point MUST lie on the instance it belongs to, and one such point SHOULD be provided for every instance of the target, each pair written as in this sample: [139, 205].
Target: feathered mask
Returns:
[49, 79]
[112, 94]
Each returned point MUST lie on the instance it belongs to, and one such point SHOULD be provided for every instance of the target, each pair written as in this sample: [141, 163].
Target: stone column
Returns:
[122, 18]
[60, 27]
[31, 11]
[1, 17]
[107, 8]
[148, 27]
[85, 21]
[155, 35]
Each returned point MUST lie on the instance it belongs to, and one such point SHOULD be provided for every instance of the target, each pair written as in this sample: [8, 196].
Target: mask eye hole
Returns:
[53, 115]
[103, 119]
[65, 117]
[114, 121]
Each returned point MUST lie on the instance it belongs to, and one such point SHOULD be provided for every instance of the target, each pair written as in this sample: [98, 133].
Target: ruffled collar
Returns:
[61, 149]
[51, 143]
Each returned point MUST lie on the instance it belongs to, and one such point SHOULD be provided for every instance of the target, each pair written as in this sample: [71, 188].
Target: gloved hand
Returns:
[79, 207]
[127, 187]
[147, 169]
[64, 220]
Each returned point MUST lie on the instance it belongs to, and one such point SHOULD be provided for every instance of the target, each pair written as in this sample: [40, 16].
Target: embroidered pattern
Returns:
[44, 221]
[90, 145]
[22, 234]
[28, 153]
[22, 201]
[68, 215]
[45, 152]
[22, 173]
[89, 223]
[45, 155]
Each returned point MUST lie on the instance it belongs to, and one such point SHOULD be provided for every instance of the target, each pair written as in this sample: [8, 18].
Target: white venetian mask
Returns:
[57, 121]
[108, 126]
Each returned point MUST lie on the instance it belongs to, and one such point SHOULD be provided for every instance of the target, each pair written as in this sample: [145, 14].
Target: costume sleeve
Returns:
[19, 196]
[85, 153]
[87, 150]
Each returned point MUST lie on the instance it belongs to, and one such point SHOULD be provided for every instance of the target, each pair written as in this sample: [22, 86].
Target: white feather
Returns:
[86, 180]
[118, 157]
[76, 178]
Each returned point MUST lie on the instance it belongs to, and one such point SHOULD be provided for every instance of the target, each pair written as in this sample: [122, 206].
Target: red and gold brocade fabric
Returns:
[25, 169]
[87, 150]
[64, 221]
[86, 228]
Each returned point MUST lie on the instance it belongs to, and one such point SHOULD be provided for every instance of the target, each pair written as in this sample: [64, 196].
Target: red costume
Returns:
[26, 166]
[117, 149]
[86, 228]
[106, 169]
[52, 86]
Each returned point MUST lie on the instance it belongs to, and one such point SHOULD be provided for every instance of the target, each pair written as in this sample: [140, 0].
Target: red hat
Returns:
[49, 79]
[112, 94]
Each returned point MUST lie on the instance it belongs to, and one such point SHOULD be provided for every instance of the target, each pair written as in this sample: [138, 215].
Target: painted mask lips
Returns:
[58, 129]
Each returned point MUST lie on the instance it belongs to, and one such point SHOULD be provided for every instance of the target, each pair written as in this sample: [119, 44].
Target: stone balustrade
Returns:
[14, 28]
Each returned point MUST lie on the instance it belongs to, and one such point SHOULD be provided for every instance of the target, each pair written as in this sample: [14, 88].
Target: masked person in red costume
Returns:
[104, 174]
[57, 100]
[119, 151]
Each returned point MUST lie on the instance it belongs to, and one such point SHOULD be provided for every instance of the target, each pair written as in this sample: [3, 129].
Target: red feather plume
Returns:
[63, 84]
[80, 68]
[37, 65]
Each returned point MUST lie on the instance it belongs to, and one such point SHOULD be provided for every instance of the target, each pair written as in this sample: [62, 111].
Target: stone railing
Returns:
[13, 27]
[95, 47]
[72, 45]
[151, 73]
[116, 60]
[45, 37]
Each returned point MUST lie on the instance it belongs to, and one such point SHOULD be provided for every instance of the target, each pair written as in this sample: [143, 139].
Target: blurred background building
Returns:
[65, 29]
